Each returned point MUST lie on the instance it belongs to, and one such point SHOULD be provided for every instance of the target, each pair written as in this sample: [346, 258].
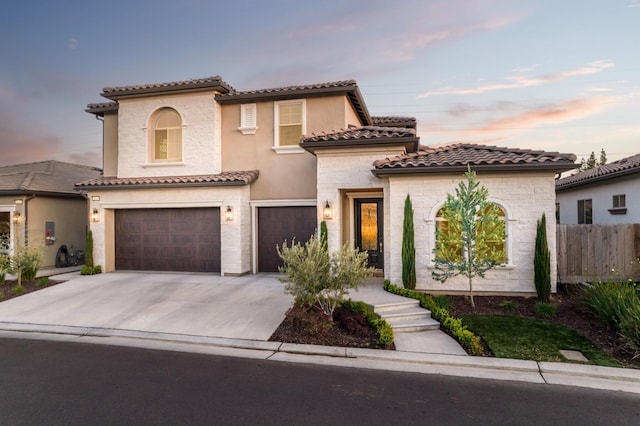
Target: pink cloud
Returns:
[517, 82]
[22, 147]
[92, 157]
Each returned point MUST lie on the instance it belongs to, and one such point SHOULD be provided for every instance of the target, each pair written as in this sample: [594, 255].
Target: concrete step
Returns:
[410, 326]
[412, 313]
[380, 308]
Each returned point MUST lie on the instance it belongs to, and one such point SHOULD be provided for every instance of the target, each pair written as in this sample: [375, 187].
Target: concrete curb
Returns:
[595, 377]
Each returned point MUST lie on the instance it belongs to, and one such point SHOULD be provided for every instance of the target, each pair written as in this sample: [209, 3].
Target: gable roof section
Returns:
[208, 83]
[365, 136]
[625, 166]
[409, 122]
[346, 87]
[239, 178]
[44, 178]
[456, 157]
[101, 108]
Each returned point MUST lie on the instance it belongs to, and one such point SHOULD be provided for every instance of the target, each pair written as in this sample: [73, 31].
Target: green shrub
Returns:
[508, 305]
[18, 289]
[469, 341]
[630, 328]
[542, 262]
[408, 247]
[1, 294]
[5, 267]
[384, 330]
[25, 262]
[546, 310]
[314, 278]
[91, 270]
[43, 282]
[324, 235]
[442, 301]
[611, 300]
[88, 250]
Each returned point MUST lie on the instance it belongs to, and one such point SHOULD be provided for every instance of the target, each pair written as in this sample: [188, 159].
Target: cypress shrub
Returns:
[408, 247]
[88, 250]
[324, 235]
[542, 262]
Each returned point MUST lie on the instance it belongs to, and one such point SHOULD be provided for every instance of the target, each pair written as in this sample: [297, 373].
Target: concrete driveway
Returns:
[249, 307]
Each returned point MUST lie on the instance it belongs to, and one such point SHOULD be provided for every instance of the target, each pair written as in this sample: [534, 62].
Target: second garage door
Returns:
[277, 224]
[186, 240]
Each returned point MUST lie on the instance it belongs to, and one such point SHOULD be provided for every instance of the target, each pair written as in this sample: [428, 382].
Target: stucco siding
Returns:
[601, 195]
[524, 197]
[110, 144]
[201, 147]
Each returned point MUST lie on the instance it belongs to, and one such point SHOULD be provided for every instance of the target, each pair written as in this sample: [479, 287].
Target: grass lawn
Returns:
[533, 339]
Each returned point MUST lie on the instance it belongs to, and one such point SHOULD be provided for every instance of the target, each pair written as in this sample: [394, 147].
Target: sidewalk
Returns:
[407, 358]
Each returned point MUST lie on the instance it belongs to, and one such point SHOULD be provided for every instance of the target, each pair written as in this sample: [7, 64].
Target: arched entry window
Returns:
[449, 237]
[166, 135]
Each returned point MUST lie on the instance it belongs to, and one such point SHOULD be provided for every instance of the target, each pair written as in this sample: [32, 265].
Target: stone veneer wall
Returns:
[524, 196]
[201, 128]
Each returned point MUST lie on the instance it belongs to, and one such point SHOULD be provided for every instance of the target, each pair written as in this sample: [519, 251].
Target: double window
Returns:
[585, 212]
[166, 134]
[449, 244]
[289, 125]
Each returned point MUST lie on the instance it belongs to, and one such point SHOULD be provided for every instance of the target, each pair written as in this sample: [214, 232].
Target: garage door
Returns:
[277, 224]
[168, 239]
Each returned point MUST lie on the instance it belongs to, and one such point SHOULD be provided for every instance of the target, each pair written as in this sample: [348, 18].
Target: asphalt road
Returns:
[55, 383]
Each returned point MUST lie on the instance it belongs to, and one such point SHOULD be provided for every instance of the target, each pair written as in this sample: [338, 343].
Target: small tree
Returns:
[88, 249]
[468, 246]
[314, 278]
[324, 236]
[408, 247]
[542, 262]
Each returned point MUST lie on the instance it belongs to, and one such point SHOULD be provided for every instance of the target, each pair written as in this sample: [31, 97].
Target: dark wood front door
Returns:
[185, 240]
[369, 231]
[277, 224]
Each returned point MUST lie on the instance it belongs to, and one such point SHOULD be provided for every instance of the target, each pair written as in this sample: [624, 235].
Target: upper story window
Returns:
[248, 119]
[585, 212]
[166, 135]
[290, 124]
[619, 204]
[449, 245]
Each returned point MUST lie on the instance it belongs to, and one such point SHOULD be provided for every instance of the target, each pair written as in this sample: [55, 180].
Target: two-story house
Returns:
[201, 177]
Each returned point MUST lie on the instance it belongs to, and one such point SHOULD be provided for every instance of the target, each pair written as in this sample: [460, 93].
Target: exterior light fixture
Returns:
[95, 198]
[327, 213]
[16, 217]
[95, 215]
[228, 214]
[17, 201]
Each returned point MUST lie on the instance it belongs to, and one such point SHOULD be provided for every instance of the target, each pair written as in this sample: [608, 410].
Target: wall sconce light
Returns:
[17, 201]
[228, 214]
[327, 214]
[95, 215]
[16, 217]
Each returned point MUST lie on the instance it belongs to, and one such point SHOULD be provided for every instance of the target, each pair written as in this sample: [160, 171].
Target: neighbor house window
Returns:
[449, 238]
[557, 213]
[166, 133]
[585, 212]
[290, 117]
[619, 204]
[248, 119]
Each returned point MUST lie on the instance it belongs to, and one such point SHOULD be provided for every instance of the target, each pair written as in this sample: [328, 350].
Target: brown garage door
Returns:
[277, 224]
[168, 239]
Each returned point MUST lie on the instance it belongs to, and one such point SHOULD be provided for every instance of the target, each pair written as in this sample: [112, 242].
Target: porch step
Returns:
[406, 316]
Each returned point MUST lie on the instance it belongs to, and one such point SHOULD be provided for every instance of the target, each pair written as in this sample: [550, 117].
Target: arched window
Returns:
[166, 145]
[449, 244]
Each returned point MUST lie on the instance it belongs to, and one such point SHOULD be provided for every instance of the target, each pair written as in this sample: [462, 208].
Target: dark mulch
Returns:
[571, 313]
[310, 326]
[7, 289]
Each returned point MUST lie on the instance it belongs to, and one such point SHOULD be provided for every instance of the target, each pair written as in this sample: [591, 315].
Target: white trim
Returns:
[167, 164]
[287, 149]
[160, 205]
[351, 196]
[255, 204]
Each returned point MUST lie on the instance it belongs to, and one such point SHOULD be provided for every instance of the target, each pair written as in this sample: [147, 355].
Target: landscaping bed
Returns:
[7, 290]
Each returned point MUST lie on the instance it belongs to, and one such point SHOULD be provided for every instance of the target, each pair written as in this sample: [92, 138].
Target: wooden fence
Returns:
[598, 252]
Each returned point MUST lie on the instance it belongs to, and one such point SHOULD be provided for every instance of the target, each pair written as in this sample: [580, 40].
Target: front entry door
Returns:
[369, 235]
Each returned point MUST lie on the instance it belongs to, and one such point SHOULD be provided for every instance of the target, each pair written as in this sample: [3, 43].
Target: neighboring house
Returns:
[201, 177]
[608, 194]
[39, 206]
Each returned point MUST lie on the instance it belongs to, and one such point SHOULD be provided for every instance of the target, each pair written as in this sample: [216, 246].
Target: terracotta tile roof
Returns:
[199, 83]
[625, 166]
[238, 178]
[101, 108]
[44, 177]
[348, 87]
[388, 121]
[456, 157]
[361, 136]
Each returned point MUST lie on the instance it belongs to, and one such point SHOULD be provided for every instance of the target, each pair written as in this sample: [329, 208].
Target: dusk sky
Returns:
[557, 75]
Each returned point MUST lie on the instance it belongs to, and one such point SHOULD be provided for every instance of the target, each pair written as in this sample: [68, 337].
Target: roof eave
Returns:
[158, 185]
[411, 144]
[198, 87]
[597, 179]
[389, 171]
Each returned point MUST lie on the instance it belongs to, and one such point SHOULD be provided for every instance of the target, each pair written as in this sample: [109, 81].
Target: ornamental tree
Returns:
[408, 247]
